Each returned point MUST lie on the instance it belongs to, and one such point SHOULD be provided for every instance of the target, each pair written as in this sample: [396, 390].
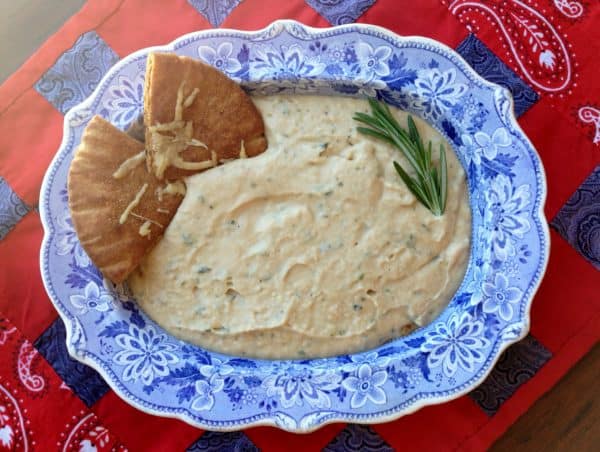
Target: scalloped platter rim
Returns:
[435, 364]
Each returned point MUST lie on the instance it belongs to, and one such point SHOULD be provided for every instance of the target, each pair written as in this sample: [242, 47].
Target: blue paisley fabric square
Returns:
[358, 438]
[516, 365]
[223, 442]
[82, 379]
[490, 67]
[578, 221]
[76, 72]
[214, 11]
[339, 12]
[12, 209]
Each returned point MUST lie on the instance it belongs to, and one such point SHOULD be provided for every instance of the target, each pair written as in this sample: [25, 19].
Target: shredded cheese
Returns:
[179, 103]
[143, 218]
[133, 204]
[188, 131]
[167, 126]
[172, 188]
[198, 143]
[190, 99]
[243, 154]
[159, 210]
[145, 229]
[182, 164]
[129, 165]
[169, 140]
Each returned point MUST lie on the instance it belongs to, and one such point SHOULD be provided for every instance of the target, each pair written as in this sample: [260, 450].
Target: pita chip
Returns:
[196, 117]
[119, 210]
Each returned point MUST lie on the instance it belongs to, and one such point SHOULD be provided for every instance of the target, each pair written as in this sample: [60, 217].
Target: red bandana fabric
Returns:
[38, 411]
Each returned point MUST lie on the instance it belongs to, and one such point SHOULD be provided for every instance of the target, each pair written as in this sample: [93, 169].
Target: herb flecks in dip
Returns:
[313, 248]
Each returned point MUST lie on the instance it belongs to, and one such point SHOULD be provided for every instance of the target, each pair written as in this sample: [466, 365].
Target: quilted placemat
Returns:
[543, 51]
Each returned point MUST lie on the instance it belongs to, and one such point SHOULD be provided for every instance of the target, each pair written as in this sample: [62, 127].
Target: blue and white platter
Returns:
[162, 375]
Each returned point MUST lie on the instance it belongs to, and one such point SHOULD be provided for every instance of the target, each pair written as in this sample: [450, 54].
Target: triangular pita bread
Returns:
[98, 200]
[223, 117]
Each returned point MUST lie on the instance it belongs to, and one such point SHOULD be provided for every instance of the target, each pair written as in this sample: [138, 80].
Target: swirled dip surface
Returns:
[314, 248]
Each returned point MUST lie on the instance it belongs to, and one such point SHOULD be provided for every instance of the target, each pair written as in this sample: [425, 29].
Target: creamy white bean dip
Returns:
[312, 249]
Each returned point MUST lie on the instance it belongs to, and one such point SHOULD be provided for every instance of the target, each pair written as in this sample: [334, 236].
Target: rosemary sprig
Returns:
[430, 184]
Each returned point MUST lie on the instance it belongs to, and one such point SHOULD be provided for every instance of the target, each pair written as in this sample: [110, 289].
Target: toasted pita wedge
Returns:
[119, 210]
[196, 117]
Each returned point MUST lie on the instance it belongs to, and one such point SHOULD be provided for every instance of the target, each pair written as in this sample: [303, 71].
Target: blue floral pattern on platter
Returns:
[165, 376]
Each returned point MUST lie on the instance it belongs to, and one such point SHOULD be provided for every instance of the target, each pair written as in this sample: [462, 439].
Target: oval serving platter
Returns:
[162, 375]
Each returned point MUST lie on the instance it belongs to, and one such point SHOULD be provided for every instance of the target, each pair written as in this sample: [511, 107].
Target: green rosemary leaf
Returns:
[443, 178]
[430, 183]
[411, 184]
[375, 133]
